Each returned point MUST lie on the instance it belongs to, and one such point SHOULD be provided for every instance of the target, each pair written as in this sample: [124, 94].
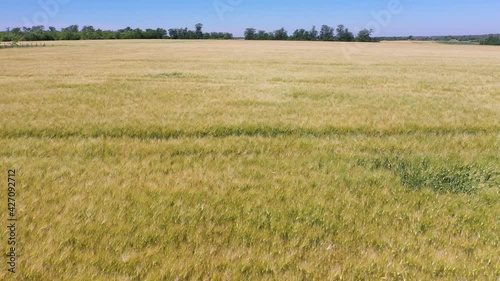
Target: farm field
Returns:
[248, 160]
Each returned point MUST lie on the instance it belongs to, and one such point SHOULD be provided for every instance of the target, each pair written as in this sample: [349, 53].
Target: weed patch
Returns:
[19, 45]
[441, 176]
[169, 75]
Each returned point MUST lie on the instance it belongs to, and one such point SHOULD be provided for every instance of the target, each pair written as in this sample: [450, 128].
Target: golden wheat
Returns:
[237, 160]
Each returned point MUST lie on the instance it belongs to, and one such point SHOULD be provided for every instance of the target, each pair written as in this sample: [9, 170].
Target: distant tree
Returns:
[138, 34]
[35, 33]
[280, 34]
[38, 28]
[191, 35]
[250, 34]
[149, 34]
[491, 40]
[30, 36]
[364, 36]
[262, 35]
[184, 33]
[99, 34]
[343, 34]
[72, 28]
[158, 33]
[108, 34]
[161, 33]
[6, 37]
[16, 30]
[326, 33]
[173, 33]
[300, 34]
[218, 35]
[313, 34]
[126, 33]
[198, 31]
[88, 33]
[70, 33]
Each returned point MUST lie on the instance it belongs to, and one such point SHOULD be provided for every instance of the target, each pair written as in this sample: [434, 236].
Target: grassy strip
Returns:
[250, 131]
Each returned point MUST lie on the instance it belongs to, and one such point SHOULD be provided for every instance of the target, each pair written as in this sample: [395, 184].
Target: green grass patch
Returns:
[459, 42]
[169, 75]
[442, 176]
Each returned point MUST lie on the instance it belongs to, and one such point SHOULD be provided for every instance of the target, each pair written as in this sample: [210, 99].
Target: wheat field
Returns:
[247, 160]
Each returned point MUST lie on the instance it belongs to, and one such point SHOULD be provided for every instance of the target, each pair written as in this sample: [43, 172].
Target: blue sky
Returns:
[387, 17]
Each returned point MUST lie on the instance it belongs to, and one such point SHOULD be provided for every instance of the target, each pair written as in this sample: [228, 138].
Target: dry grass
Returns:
[165, 160]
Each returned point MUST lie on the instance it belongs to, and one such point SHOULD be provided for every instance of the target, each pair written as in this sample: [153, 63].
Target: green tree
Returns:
[364, 36]
[326, 33]
[52, 33]
[16, 30]
[198, 31]
[88, 33]
[250, 34]
[108, 34]
[313, 33]
[138, 34]
[99, 34]
[161, 33]
[262, 35]
[38, 28]
[343, 34]
[70, 33]
[300, 34]
[173, 33]
[491, 40]
[150, 34]
[280, 34]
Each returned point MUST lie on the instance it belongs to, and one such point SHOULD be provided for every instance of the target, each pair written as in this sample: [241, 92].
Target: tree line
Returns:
[73, 32]
[488, 39]
[326, 33]
[491, 40]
